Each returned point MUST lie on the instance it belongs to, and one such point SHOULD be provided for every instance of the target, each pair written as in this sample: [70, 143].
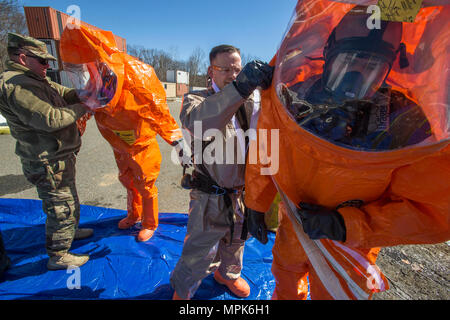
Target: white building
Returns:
[178, 76]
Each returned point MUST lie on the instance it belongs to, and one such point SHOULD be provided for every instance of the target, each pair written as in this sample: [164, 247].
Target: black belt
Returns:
[208, 185]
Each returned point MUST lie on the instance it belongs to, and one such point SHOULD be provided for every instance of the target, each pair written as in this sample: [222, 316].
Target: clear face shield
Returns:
[345, 95]
[95, 82]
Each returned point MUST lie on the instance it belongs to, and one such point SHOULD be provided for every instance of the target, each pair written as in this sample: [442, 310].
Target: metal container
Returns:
[178, 76]
[49, 23]
[182, 89]
[52, 48]
[170, 88]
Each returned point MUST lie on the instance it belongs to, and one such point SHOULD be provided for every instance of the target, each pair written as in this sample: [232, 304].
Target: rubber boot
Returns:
[83, 233]
[239, 286]
[66, 260]
[145, 235]
[127, 223]
[149, 218]
[134, 208]
[177, 297]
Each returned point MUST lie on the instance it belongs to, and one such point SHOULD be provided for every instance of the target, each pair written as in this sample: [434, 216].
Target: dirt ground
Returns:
[416, 272]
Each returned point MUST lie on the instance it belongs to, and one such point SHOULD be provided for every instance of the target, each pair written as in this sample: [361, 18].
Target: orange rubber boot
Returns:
[134, 206]
[239, 286]
[145, 235]
[149, 218]
[150, 212]
[127, 223]
[177, 297]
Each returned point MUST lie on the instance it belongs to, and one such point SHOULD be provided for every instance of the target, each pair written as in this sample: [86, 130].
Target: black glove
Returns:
[256, 225]
[322, 223]
[255, 74]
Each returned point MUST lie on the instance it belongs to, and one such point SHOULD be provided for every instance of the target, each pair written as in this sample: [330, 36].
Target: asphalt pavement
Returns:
[97, 173]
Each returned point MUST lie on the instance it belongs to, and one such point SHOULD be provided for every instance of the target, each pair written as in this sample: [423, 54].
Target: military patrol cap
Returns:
[29, 44]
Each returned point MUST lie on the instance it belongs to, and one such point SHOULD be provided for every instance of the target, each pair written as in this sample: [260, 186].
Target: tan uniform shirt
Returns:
[215, 111]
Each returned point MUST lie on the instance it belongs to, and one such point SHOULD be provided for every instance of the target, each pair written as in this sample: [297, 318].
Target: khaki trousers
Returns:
[207, 243]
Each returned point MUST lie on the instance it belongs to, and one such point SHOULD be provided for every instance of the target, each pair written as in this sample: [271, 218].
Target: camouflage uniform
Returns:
[55, 184]
[42, 117]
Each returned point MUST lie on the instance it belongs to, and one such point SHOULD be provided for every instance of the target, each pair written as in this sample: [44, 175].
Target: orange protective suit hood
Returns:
[91, 59]
[404, 121]
[127, 96]
[363, 94]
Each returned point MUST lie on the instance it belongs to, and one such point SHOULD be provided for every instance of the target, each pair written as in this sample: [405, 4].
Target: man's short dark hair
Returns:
[13, 52]
[221, 49]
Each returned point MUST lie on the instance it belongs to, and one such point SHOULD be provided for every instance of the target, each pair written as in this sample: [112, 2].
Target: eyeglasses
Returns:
[42, 61]
[226, 70]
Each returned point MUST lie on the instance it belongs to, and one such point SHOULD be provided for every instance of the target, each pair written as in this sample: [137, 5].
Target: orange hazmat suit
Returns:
[402, 192]
[137, 111]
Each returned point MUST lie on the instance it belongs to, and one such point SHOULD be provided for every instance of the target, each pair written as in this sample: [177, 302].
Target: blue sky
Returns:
[179, 26]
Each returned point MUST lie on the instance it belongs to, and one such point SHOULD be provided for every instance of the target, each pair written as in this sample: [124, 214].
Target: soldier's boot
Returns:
[66, 260]
[239, 286]
[127, 223]
[83, 233]
[145, 235]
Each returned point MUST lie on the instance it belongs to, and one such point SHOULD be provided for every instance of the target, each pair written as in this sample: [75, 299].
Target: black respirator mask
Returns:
[356, 67]
[343, 104]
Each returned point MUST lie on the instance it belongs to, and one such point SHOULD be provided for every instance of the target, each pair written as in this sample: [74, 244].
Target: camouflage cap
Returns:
[29, 44]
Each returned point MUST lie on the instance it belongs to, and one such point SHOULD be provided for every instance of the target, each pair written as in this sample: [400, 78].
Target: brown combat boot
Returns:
[66, 260]
[239, 286]
[83, 233]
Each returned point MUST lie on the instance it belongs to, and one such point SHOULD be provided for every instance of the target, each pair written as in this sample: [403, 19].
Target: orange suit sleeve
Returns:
[260, 191]
[149, 93]
[415, 208]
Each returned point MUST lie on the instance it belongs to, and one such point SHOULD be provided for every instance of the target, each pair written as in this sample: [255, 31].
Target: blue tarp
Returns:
[119, 266]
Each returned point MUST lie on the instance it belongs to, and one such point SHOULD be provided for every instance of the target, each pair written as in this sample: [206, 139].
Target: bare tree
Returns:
[246, 58]
[160, 60]
[11, 20]
[135, 51]
[196, 66]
